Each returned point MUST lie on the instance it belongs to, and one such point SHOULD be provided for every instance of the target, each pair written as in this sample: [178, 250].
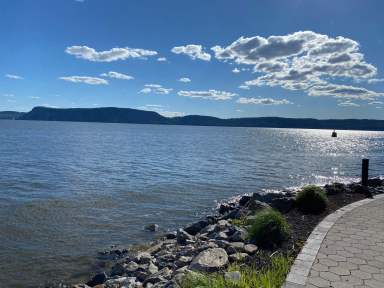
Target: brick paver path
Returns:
[352, 253]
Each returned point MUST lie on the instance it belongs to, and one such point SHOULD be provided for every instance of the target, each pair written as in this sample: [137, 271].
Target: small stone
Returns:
[152, 268]
[131, 266]
[143, 258]
[238, 257]
[183, 261]
[250, 249]
[170, 235]
[240, 235]
[152, 227]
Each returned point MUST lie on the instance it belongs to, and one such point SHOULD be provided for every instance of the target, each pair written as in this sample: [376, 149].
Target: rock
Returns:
[250, 249]
[152, 227]
[244, 200]
[224, 208]
[283, 204]
[222, 243]
[256, 205]
[182, 237]
[118, 269]
[131, 266]
[221, 236]
[196, 227]
[143, 258]
[159, 276]
[122, 282]
[375, 182]
[210, 260]
[152, 268]
[97, 279]
[81, 286]
[238, 257]
[222, 225]
[360, 189]
[240, 235]
[232, 276]
[170, 235]
[183, 261]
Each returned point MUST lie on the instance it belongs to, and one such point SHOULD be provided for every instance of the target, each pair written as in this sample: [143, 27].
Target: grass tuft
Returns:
[272, 276]
[311, 200]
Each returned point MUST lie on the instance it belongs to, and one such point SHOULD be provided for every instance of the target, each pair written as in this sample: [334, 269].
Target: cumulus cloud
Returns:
[155, 88]
[114, 54]
[85, 79]
[185, 80]
[263, 101]
[13, 76]
[348, 104]
[209, 94]
[162, 110]
[303, 60]
[161, 59]
[236, 70]
[117, 75]
[193, 51]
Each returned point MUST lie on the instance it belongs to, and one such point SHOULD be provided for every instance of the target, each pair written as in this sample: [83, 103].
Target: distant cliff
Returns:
[10, 115]
[127, 115]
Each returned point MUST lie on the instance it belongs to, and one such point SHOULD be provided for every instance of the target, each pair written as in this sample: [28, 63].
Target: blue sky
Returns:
[291, 58]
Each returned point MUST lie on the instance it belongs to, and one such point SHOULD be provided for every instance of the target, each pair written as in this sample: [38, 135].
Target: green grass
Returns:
[269, 228]
[311, 200]
[272, 276]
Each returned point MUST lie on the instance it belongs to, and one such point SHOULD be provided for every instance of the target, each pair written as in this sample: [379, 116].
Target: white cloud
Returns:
[244, 87]
[34, 97]
[193, 51]
[9, 95]
[155, 88]
[117, 75]
[263, 101]
[375, 80]
[303, 60]
[161, 110]
[236, 70]
[209, 94]
[114, 54]
[348, 104]
[185, 80]
[13, 76]
[376, 103]
[161, 59]
[85, 79]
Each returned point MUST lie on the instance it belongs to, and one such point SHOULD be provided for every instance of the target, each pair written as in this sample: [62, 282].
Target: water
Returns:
[68, 190]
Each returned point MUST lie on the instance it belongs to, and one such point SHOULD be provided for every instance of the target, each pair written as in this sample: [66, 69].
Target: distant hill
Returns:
[10, 115]
[127, 115]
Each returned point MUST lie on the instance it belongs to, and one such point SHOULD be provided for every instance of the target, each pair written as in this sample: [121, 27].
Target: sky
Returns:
[224, 58]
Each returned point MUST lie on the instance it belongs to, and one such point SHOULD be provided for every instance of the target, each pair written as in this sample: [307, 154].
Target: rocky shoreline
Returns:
[210, 244]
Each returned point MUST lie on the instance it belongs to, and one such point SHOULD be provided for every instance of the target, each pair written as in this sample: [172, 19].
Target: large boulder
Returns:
[210, 260]
[196, 227]
[283, 204]
[97, 279]
[375, 182]
[255, 205]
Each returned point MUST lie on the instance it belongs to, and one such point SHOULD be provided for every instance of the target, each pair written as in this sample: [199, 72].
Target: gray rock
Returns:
[182, 237]
[152, 227]
[183, 261]
[81, 286]
[244, 200]
[210, 260]
[170, 235]
[152, 268]
[232, 276]
[240, 235]
[196, 227]
[143, 258]
[250, 249]
[256, 205]
[129, 282]
[131, 266]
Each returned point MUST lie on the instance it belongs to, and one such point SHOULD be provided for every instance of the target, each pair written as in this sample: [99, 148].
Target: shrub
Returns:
[271, 276]
[269, 228]
[311, 200]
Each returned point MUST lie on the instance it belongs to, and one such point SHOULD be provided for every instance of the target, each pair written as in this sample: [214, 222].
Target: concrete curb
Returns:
[300, 269]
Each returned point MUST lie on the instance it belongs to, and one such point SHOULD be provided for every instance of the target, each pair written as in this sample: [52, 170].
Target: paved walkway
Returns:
[351, 253]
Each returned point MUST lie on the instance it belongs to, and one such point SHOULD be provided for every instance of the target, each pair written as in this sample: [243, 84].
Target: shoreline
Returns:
[165, 261]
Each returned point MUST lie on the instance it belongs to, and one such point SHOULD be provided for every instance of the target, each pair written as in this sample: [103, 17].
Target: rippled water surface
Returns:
[68, 190]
